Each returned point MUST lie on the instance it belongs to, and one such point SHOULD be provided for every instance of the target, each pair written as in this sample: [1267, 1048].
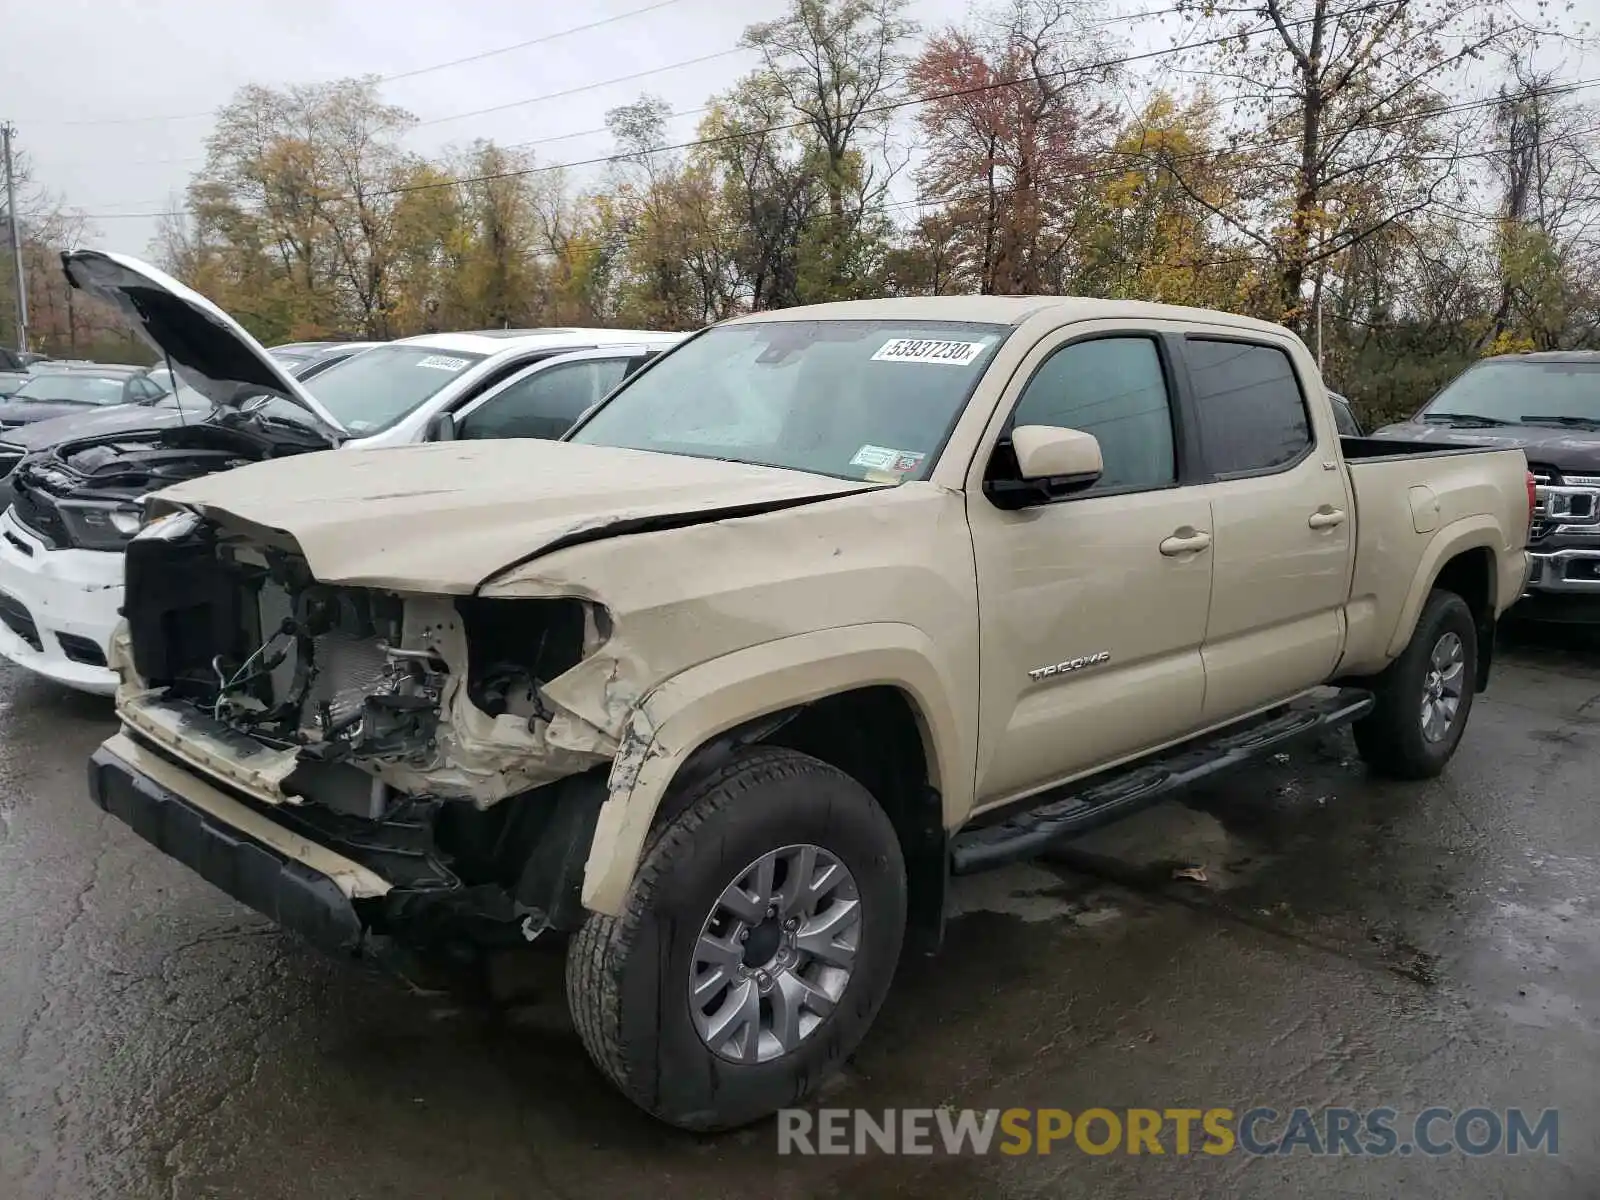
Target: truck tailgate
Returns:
[1416, 508]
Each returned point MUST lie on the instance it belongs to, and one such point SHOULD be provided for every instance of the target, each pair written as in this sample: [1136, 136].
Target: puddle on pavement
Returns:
[1304, 847]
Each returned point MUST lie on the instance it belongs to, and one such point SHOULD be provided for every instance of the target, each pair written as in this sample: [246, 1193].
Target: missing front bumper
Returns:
[357, 887]
[302, 886]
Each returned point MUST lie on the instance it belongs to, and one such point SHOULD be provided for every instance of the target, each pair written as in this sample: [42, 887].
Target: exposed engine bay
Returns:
[410, 733]
[85, 494]
[341, 695]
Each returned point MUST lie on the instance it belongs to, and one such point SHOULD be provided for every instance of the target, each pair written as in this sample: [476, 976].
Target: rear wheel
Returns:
[1425, 695]
[759, 939]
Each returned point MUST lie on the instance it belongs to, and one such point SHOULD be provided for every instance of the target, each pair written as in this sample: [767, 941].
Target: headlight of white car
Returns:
[100, 524]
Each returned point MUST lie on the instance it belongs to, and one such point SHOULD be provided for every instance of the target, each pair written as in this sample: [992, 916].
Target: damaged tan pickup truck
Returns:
[819, 609]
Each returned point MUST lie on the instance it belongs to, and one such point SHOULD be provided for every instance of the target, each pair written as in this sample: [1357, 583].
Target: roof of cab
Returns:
[1003, 310]
[499, 341]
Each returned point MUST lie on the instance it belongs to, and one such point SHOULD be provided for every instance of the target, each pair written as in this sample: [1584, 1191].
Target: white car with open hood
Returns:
[74, 506]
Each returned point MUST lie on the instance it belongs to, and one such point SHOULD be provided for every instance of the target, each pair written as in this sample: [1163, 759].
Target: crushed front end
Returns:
[410, 737]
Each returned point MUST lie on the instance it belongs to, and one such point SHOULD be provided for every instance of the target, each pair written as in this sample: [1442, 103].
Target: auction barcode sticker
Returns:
[921, 350]
[443, 362]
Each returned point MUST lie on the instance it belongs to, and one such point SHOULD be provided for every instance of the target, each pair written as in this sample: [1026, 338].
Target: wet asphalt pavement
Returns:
[1354, 944]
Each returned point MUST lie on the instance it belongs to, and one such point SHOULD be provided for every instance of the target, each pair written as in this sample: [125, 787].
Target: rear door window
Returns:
[1247, 399]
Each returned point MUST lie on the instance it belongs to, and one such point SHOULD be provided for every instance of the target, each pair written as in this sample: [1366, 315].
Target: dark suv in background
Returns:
[1548, 404]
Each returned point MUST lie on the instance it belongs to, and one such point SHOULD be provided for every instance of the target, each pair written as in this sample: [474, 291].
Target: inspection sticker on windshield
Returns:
[885, 458]
[921, 350]
[443, 362]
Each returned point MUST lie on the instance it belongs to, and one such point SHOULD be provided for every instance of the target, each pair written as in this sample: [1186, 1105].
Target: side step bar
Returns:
[1080, 806]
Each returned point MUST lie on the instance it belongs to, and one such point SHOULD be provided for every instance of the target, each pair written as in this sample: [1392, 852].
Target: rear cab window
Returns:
[1248, 404]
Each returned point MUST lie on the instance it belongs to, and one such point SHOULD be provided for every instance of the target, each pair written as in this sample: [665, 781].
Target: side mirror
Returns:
[441, 427]
[1066, 458]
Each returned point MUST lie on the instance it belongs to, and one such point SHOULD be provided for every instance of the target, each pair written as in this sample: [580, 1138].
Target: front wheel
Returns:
[760, 936]
[1425, 695]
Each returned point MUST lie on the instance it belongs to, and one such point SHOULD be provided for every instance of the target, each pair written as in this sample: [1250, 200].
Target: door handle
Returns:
[1186, 541]
[1326, 518]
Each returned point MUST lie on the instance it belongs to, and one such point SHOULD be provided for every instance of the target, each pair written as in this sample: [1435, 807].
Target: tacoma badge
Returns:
[1072, 664]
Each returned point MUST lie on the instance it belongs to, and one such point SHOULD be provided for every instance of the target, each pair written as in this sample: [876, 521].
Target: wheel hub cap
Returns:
[775, 954]
[766, 939]
[1442, 687]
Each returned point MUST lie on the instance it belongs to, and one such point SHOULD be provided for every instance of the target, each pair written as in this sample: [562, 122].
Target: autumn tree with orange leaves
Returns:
[1012, 128]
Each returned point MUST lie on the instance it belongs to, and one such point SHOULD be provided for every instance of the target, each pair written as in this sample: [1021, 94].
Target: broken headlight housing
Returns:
[169, 527]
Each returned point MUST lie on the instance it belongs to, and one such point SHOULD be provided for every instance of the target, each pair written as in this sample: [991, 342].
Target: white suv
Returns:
[74, 505]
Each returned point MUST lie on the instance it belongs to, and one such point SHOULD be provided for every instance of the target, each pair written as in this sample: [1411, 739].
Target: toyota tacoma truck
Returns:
[820, 609]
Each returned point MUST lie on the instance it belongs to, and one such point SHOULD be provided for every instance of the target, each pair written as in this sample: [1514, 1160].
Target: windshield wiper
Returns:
[1467, 420]
[1569, 422]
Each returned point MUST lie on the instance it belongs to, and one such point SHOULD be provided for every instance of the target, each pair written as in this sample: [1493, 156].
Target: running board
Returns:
[1077, 807]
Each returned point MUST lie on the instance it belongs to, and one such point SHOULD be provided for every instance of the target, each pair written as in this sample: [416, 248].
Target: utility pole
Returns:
[1319, 328]
[6, 131]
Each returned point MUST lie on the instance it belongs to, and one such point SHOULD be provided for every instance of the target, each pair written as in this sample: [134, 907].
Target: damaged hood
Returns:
[447, 516]
[208, 349]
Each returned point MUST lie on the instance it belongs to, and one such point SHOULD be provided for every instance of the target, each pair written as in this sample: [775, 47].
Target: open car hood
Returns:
[446, 517]
[208, 349]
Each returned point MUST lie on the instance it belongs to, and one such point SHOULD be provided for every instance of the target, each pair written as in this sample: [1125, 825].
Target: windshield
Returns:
[871, 400]
[370, 391]
[72, 389]
[1509, 391]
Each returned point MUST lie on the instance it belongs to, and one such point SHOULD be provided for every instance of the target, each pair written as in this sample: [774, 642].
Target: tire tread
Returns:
[1385, 738]
[597, 953]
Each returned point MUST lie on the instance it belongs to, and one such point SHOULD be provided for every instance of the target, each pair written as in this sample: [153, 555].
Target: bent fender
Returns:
[684, 712]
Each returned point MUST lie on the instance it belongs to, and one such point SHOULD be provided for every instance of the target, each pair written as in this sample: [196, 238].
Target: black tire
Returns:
[1390, 737]
[628, 976]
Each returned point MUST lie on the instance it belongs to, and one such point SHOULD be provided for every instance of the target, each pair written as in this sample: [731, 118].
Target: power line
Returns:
[692, 62]
[1121, 18]
[539, 141]
[510, 104]
[1231, 257]
[538, 41]
[1083, 176]
[587, 87]
[1092, 173]
[871, 110]
[390, 78]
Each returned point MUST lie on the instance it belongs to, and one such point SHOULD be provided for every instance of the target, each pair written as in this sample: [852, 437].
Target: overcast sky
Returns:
[111, 97]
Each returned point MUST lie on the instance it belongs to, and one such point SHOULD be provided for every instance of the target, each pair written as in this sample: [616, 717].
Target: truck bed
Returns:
[1417, 506]
[1366, 449]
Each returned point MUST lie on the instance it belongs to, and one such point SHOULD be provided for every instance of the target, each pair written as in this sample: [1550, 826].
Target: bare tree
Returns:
[834, 61]
[1547, 250]
[1349, 95]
